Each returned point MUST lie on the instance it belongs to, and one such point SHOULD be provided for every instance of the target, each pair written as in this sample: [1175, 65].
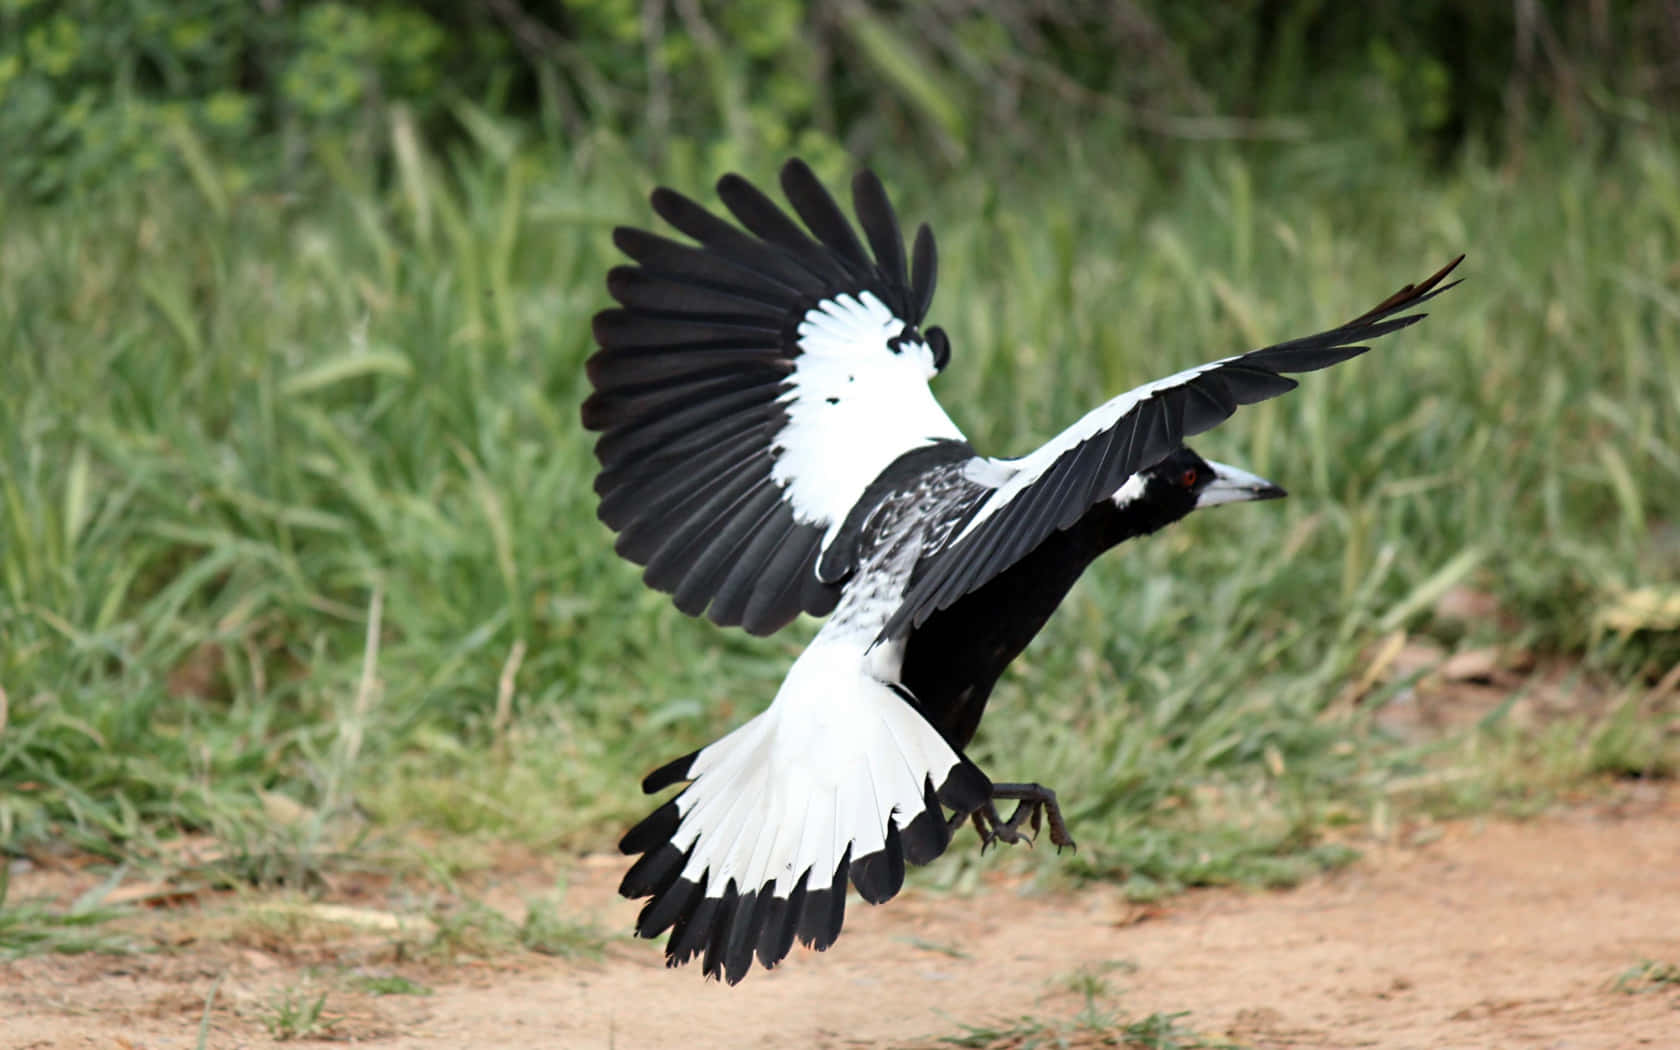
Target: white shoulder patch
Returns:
[854, 405]
[1129, 491]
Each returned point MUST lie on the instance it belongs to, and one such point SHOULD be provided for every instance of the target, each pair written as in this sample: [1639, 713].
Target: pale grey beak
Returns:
[1231, 485]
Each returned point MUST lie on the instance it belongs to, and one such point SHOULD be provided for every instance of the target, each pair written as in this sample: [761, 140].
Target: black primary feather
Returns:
[690, 382]
[1153, 427]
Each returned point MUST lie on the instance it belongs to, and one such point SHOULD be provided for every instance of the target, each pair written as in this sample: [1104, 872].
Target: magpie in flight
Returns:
[769, 446]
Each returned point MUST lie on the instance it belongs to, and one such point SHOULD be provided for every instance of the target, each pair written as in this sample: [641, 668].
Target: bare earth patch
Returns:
[1492, 935]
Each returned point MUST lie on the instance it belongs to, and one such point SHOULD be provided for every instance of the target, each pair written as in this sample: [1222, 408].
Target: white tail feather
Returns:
[840, 777]
[823, 769]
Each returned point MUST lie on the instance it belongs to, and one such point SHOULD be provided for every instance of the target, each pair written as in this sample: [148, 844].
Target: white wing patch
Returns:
[1014, 476]
[854, 405]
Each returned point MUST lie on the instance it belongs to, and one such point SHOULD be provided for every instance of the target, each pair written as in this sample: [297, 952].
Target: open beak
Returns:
[1230, 485]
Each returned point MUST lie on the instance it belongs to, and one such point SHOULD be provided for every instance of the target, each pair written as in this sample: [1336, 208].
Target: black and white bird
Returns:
[769, 446]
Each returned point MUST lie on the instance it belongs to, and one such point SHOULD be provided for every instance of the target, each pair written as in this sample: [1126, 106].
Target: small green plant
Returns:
[33, 927]
[1087, 1031]
[1161, 1031]
[1647, 975]
[1091, 982]
[937, 947]
[388, 984]
[298, 1016]
[471, 928]
[1097, 1024]
[1023, 1034]
[203, 1040]
[547, 932]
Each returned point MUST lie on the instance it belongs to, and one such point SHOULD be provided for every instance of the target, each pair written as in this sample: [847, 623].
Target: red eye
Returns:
[1188, 478]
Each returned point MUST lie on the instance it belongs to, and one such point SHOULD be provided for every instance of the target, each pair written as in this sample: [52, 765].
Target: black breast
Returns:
[954, 659]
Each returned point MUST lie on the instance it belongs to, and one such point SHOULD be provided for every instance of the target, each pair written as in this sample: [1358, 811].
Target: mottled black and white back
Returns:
[770, 446]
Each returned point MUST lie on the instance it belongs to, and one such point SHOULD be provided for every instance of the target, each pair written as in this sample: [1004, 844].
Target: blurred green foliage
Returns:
[91, 92]
[294, 500]
[294, 503]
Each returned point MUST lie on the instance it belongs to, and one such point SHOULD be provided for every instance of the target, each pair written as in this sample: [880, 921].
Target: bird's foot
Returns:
[1035, 807]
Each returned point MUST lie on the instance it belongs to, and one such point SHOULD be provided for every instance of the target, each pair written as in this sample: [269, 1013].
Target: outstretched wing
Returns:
[1027, 499]
[752, 385]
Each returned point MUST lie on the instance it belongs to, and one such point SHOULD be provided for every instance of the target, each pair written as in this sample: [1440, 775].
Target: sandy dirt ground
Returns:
[1494, 934]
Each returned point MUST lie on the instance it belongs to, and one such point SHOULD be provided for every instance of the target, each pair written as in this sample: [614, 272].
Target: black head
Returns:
[1183, 482]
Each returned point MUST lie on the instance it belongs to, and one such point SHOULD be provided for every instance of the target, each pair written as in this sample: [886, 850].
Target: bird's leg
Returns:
[988, 824]
[1035, 804]
[1038, 804]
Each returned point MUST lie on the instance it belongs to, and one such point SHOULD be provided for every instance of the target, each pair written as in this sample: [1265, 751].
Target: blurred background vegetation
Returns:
[297, 541]
[95, 92]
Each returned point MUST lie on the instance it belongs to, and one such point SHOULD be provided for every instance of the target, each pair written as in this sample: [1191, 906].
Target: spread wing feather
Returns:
[1031, 497]
[751, 385]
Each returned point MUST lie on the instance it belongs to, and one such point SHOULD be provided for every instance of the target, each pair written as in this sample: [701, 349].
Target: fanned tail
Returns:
[841, 778]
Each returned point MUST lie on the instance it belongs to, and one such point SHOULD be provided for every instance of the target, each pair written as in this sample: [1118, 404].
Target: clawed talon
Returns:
[1034, 805]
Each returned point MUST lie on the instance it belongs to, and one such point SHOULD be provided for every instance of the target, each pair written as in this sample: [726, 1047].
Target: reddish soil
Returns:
[1494, 934]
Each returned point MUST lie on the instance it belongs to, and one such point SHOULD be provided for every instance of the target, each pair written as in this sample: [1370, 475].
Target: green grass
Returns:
[294, 501]
[1098, 1023]
[1094, 1026]
[1647, 975]
[1087, 1032]
[388, 984]
[298, 1015]
[471, 928]
[33, 927]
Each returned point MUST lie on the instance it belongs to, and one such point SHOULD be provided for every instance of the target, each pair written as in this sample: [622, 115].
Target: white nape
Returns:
[853, 406]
